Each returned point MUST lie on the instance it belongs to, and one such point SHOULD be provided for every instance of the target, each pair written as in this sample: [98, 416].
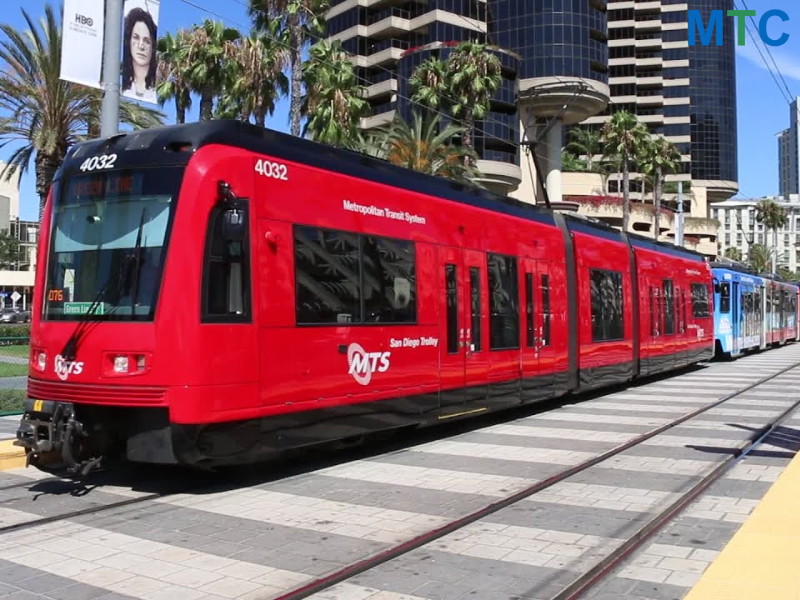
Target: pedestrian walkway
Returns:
[760, 562]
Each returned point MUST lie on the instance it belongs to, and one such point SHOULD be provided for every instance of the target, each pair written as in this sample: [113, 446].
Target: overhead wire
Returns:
[769, 52]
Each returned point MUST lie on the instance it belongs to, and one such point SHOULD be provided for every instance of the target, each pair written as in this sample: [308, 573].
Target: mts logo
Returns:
[363, 364]
[717, 19]
[82, 20]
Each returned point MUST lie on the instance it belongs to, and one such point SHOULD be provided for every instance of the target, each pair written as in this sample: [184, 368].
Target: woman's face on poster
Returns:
[141, 44]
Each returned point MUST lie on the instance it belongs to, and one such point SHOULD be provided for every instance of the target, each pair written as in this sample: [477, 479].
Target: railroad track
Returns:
[592, 576]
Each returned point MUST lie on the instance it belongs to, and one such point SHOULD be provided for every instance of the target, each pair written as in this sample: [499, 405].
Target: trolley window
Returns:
[226, 275]
[475, 296]
[451, 281]
[546, 310]
[529, 310]
[725, 298]
[699, 300]
[669, 307]
[503, 302]
[347, 278]
[607, 306]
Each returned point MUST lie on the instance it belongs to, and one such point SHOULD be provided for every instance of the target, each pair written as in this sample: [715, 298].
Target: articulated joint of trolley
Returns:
[55, 440]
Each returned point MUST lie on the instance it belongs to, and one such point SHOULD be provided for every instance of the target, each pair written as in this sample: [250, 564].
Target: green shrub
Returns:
[15, 335]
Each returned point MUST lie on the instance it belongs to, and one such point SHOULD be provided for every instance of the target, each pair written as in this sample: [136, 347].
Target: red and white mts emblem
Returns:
[363, 364]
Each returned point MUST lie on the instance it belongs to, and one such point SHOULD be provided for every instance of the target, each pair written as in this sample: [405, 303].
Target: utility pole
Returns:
[679, 224]
[109, 119]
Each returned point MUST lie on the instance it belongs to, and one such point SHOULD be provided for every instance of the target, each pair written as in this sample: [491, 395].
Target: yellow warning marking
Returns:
[462, 414]
[11, 456]
[760, 562]
[37, 405]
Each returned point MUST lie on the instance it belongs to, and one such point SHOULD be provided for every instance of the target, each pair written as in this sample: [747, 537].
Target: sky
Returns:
[762, 109]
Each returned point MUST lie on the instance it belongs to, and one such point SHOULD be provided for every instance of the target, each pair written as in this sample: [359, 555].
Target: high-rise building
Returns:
[685, 93]
[789, 153]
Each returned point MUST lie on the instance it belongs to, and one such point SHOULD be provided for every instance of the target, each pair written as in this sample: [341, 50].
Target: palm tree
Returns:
[253, 78]
[206, 59]
[759, 257]
[45, 113]
[464, 85]
[421, 147]
[429, 82]
[585, 142]
[299, 19]
[773, 216]
[172, 67]
[658, 157]
[733, 253]
[474, 78]
[623, 139]
[334, 101]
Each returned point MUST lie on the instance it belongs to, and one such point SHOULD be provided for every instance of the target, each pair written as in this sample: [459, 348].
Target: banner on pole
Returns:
[139, 56]
[82, 42]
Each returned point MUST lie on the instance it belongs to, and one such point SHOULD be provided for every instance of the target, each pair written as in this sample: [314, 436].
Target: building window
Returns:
[503, 302]
[607, 305]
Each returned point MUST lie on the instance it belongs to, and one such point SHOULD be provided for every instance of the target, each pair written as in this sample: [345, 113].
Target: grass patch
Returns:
[9, 370]
[12, 400]
[16, 351]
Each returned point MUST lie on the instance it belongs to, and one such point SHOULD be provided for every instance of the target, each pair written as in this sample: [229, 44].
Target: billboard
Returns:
[139, 56]
[82, 42]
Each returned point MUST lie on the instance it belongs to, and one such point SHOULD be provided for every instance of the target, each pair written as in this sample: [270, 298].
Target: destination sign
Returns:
[101, 185]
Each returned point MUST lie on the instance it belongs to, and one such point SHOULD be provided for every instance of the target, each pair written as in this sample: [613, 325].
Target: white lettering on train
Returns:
[64, 368]
[386, 213]
[363, 364]
[413, 342]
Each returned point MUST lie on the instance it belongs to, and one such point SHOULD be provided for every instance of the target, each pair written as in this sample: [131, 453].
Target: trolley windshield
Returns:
[109, 241]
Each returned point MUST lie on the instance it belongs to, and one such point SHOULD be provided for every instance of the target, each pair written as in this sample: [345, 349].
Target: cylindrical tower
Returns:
[563, 74]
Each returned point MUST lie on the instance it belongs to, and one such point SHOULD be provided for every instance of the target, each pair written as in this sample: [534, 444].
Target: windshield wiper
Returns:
[138, 268]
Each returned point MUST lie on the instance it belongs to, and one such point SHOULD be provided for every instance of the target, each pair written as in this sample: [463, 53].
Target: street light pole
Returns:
[109, 119]
[679, 226]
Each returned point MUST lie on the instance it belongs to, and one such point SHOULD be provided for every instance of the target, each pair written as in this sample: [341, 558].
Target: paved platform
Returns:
[760, 562]
[8, 427]
[256, 542]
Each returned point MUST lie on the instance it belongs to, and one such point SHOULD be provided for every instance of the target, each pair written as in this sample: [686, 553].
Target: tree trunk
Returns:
[626, 194]
[297, 73]
[469, 128]
[180, 109]
[260, 115]
[46, 167]
[206, 106]
[774, 250]
[657, 202]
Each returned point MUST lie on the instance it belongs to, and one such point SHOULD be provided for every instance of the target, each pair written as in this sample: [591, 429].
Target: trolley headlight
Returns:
[117, 363]
[120, 364]
[39, 359]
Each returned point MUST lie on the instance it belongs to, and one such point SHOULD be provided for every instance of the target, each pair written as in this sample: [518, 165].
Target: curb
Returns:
[11, 456]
